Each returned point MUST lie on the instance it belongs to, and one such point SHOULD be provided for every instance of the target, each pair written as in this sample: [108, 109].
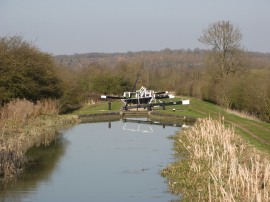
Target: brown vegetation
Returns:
[218, 165]
[24, 124]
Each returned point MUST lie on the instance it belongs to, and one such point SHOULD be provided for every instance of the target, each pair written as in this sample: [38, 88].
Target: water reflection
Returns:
[138, 128]
[145, 121]
[145, 125]
[108, 161]
[150, 122]
[44, 163]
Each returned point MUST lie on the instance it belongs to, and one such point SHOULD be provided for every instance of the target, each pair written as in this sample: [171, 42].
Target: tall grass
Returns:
[24, 124]
[218, 166]
[243, 114]
[21, 109]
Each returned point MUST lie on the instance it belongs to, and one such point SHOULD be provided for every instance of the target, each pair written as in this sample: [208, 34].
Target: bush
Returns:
[19, 110]
[26, 72]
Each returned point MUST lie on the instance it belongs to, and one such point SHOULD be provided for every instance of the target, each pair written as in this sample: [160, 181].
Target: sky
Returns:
[83, 26]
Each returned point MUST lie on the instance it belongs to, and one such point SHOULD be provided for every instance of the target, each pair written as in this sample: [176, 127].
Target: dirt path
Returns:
[237, 125]
[248, 132]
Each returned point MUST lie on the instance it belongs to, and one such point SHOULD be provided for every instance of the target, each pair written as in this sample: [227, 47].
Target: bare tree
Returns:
[226, 56]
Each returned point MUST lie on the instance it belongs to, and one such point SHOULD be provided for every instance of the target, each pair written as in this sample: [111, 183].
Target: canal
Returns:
[108, 161]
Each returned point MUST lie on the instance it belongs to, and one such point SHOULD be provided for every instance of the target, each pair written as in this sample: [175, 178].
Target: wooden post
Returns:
[163, 105]
[110, 105]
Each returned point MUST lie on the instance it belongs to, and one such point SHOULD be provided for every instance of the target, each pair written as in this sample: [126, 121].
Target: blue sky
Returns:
[82, 26]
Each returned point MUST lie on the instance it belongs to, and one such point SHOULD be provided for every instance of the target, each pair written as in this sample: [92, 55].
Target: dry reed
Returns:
[243, 114]
[21, 109]
[24, 124]
[219, 166]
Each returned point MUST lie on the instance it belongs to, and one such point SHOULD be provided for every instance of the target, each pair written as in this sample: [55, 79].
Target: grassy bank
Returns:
[252, 130]
[99, 108]
[217, 165]
[23, 125]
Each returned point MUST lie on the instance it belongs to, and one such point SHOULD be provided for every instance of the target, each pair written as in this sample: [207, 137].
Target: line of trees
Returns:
[225, 74]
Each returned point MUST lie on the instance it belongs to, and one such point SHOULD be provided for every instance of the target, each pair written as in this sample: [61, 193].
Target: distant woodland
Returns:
[181, 71]
[224, 74]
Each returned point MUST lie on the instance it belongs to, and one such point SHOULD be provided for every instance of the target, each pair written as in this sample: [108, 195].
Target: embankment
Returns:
[108, 116]
[15, 141]
[22, 126]
[179, 118]
[215, 164]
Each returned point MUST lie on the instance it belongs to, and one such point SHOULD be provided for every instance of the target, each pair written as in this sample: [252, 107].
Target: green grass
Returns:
[99, 108]
[255, 132]
[181, 110]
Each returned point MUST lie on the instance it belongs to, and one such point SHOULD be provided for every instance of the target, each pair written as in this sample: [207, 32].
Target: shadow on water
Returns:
[44, 161]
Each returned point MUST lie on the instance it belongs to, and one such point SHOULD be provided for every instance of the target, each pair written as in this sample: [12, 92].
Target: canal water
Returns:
[110, 161]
